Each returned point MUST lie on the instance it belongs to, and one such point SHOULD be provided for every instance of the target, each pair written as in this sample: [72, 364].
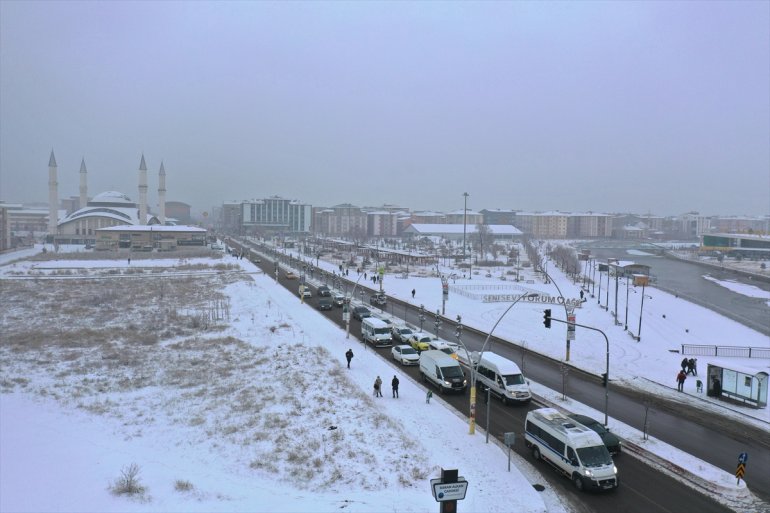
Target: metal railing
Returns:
[735, 351]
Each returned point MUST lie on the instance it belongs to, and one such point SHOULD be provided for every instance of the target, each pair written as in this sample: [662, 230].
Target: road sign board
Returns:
[449, 491]
[740, 470]
[743, 457]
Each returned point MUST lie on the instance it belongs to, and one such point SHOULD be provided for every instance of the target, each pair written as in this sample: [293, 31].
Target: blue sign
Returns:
[743, 457]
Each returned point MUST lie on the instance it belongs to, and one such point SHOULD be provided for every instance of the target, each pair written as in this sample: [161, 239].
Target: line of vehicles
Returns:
[577, 446]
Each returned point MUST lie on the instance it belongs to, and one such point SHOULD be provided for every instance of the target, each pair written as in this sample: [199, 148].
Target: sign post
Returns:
[743, 458]
[449, 489]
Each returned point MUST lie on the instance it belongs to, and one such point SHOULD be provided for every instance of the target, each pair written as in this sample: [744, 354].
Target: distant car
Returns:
[338, 300]
[290, 275]
[401, 333]
[420, 341]
[378, 299]
[304, 291]
[610, 440]
[323, 291]
[359, 312]
[405, 355]
[440, 345]
[325, 303]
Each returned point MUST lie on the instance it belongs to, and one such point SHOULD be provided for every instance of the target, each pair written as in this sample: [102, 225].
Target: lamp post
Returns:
[346, 307]
[465, 217]
[641, 308]
[471, 365]
[626, 325]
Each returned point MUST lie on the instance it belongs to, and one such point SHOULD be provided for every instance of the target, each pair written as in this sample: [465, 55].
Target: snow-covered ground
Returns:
[243, 403]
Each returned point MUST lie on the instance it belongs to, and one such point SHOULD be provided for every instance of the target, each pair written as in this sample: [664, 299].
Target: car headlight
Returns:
[588, 473]
[614, 469]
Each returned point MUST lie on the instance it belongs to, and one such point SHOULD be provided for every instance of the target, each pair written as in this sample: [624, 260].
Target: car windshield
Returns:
[447, 350]
[425, 339]
[381, 331]
[405, 331]
[595, 456]
[408, 350]
[452, 372]
[514, 379]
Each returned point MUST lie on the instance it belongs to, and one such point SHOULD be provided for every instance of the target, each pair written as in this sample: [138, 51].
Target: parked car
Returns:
[420, 341]
[338, 299]
[405, 355]
[401, 333]
[359, 312]
[610, 440]
[325, 303]
[440, 345]
[323, 291]
[304, 291]
[378, 299]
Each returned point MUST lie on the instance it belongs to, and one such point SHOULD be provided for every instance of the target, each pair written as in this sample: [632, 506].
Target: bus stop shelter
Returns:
[739, 384]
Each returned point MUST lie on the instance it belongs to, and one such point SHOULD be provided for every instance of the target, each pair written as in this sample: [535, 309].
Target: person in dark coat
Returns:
[680, 380]
[692, 366]
[349, 356]
[394, 384]
[413, 291]
[684, 363]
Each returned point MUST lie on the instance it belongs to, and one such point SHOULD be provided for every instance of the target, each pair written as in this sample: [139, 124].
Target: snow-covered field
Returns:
[230, 395]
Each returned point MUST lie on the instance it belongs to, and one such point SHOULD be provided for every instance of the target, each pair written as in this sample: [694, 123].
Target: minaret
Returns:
[162, 194]
[53, 197]
[142, 192]
[83, 187]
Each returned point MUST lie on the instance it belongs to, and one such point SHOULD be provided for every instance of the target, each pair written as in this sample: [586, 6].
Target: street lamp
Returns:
[472, 416]
[465, 218]
[346, 307]
[639, 332]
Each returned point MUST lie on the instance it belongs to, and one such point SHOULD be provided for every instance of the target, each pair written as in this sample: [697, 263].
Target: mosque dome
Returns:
[112, 198]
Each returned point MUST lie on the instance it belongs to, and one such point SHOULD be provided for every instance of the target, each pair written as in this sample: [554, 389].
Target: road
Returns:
[707, 437]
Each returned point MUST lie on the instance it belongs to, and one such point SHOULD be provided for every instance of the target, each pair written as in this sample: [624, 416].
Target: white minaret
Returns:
[162, 194]
[53, 197]
[83, 186]
[142, 192]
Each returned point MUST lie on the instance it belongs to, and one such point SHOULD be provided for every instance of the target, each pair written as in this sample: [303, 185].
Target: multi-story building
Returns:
[469, 217]
[179, 211]
[589, 225]
[230, 217]
[741, 224]
[5, 228]
[276, 214]
[344, 220]
[381, 223]
[499, 216]
[543, 225]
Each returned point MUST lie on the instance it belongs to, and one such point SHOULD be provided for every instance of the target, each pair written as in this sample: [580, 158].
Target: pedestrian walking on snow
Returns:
[412, 293]
[428, 396]
[680, 378]
[684, 364]
[394, 384]
[378, 387]
[349, 356]
[692, 366]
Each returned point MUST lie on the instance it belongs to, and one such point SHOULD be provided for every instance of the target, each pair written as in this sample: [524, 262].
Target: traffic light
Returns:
[547, 317]
[604, 379]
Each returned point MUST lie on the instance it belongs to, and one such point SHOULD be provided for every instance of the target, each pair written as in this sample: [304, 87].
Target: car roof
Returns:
[583, 419]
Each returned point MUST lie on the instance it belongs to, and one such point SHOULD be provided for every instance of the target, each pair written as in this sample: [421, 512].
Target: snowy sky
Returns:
[38, 435]
[665, 104]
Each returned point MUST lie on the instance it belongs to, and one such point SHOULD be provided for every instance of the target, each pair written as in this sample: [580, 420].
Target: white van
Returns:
[376, 331]
[573, 449]
[503, 378]
[443, 371]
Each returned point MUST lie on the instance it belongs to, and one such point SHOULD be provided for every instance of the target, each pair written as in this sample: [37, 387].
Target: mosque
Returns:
[111, 221]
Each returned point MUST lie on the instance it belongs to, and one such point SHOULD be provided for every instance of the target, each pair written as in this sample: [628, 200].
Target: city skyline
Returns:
[651, 108]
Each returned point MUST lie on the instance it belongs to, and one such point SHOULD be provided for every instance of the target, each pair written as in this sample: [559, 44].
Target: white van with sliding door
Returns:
[573, 449]
[376, 331]
[503, 378]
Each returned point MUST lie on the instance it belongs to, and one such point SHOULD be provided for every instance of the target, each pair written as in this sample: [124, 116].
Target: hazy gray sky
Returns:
[619, 106]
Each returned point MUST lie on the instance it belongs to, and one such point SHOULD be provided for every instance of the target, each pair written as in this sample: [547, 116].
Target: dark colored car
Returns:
[611, 441]
[324, 291]
[325, 303]
[359, 312]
